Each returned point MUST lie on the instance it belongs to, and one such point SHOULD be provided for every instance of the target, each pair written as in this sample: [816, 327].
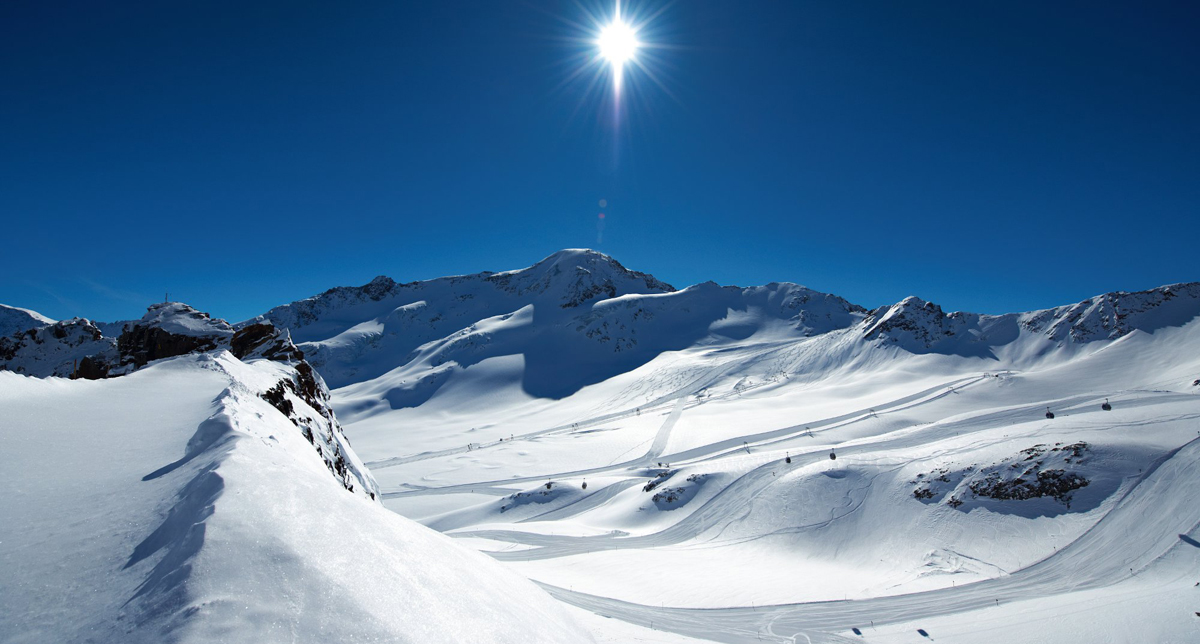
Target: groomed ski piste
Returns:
[711, 464]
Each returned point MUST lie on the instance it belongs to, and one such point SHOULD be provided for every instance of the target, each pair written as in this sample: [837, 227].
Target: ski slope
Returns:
[743, 545]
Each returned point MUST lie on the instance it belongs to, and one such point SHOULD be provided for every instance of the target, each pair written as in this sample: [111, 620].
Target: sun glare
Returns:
[618, 47]
[618, 42]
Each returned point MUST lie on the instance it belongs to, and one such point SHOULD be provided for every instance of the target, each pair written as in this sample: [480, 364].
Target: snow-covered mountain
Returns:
[13, 319]
[734, 464]
[921, 326]
[399, 344]
[755, 457]
[354, 334]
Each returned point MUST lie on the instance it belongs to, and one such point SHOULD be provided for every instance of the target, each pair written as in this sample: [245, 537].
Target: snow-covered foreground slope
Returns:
[177, 504]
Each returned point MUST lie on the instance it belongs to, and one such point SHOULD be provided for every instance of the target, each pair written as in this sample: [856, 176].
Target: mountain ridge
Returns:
[610, 319]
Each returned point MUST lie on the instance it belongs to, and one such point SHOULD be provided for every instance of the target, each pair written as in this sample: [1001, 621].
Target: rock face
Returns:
[302, 397]
[915, 320]
[263, 340]
[59, 349]
[79, 348]
[171, 329]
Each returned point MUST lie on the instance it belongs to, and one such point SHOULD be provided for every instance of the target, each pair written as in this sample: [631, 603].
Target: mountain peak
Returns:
[576, 276]
[575, 254]
[178, 318]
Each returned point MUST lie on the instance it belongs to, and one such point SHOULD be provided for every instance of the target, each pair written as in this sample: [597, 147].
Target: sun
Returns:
[620, 45]
[618, 42]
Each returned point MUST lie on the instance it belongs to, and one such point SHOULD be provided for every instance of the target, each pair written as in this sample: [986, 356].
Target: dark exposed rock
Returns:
[657, 480]
[262, 339]
[55, 349]
[170, 329]
[140, 344]
[1057, 484]
[1037, 471]
[92, 368]
[323, 432]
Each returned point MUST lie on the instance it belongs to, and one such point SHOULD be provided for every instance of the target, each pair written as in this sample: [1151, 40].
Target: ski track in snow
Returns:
[714, 450]
[1100, 551]
[1097, 559]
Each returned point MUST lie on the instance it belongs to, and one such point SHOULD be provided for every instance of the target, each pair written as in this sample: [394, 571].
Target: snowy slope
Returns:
[737, 464]
[13, 319]
[922, 500]
[395, 346]
[702, 422]
[353, 334]
[177, 504]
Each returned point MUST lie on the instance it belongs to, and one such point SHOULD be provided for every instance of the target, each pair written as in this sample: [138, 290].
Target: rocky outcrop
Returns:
[171, 329]
[263, 340]
[58, 350]
[78, 349]
[297, 396]
[1035, 472]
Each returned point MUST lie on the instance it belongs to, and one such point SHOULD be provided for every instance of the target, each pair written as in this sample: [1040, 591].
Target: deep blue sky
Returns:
[989, 156]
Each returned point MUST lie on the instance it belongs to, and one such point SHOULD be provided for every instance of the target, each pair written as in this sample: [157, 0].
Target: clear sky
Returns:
[988, 156]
